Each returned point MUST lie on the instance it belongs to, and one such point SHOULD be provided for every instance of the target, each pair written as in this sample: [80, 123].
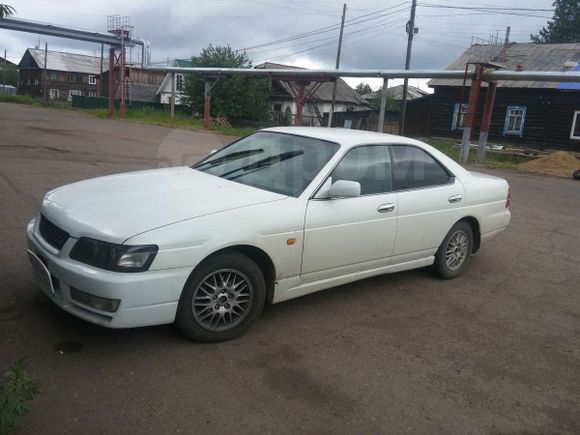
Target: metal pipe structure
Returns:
[63, 32]
[312, 74]
[486, 121]
[172, 102]
[111, 82]
[469, 119]
[381, 123]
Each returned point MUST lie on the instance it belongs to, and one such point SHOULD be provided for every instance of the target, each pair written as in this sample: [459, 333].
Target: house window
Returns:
[575, 133]
[179, 82]
[515, 117]
[277, 107]
[53, 75]
[36, 82]
[459, 114]
[92, 79]
[92, 94]
[73, 77]
[73, 92]
[54, 94]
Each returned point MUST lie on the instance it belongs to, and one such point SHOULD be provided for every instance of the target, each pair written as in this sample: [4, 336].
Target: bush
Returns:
[16, 392]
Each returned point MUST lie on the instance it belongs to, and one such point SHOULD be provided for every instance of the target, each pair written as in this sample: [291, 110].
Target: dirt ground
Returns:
[495, 351]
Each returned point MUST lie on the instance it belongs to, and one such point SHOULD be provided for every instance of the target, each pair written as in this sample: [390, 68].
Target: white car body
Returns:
[191, 215]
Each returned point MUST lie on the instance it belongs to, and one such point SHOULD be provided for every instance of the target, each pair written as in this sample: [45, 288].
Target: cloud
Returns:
[181, 28]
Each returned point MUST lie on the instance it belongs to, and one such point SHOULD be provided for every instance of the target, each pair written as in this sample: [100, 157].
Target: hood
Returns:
[117, 207]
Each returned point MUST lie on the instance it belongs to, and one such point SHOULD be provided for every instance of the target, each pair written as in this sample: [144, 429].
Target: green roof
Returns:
[183, 63]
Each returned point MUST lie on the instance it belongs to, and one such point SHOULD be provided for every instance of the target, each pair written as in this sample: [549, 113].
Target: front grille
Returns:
[52, 234]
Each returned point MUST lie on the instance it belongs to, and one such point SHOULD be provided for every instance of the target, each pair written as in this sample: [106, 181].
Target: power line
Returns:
[353, 21]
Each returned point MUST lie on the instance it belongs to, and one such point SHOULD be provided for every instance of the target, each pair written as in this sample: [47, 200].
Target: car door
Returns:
[429, 202]
[348, 235]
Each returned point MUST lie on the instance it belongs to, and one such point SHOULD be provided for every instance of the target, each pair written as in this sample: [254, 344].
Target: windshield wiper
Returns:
[229, 157]
[260, 164]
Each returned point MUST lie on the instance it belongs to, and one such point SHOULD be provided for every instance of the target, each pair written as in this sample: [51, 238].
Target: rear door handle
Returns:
[455, 198]
[386, 208]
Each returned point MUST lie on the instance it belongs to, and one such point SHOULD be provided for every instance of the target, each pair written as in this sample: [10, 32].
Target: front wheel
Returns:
[222, 298]
[452, 256]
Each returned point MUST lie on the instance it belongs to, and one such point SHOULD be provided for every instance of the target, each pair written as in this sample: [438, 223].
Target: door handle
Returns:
[455, 198]
[386, 208]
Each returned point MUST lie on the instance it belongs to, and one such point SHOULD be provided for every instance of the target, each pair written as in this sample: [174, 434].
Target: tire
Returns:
[222, 287]
[576, 175]
[460, 239]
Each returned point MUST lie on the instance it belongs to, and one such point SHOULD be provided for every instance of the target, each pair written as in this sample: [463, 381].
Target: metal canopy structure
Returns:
[64, 32]
[302, 78]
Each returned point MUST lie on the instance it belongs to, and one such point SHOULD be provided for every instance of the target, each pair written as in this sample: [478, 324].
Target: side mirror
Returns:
[344, 189]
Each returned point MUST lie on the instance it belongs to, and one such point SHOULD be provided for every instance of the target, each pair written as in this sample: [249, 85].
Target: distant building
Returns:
[67, 74]
[396, 93]
[317, 108]
[164, 90]
[142, 84]
[542, 114]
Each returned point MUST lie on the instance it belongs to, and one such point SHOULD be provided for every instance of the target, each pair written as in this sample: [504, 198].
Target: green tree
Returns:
[236, 97]
[564, 26]
[363, 88]
[11, 74]
[6, 10]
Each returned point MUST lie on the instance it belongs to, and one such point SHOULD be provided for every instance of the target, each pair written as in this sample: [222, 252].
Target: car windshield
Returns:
[278, 162]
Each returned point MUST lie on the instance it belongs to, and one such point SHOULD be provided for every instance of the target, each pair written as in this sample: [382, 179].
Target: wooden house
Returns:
[527, 113]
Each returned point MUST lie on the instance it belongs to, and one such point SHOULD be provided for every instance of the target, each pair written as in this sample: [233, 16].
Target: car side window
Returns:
[368, 165]
[413, 168]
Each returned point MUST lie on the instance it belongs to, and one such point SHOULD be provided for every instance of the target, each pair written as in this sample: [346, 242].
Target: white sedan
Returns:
[275, 215]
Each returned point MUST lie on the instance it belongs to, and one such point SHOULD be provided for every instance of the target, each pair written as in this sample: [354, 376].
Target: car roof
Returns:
[344, 136]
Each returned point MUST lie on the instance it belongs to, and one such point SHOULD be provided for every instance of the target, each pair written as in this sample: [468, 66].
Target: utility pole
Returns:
[100, 82]
[411, 30]
[45, 78]
[337, 64]
[4, 73]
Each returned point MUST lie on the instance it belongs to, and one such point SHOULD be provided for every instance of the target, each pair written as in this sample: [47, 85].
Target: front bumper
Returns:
[147, 298]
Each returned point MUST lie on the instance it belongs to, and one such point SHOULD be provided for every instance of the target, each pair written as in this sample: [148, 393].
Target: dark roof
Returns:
[396, 93]
[68, 62]
[344, 93]
[530, 56]
[5, 61]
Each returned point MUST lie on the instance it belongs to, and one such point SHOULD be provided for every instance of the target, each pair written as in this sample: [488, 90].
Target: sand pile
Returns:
[559, 164]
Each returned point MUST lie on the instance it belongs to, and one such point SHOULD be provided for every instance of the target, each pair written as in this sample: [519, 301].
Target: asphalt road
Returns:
[495, 351]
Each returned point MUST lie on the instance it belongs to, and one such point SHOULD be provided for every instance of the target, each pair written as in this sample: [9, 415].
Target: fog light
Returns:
[102, 304]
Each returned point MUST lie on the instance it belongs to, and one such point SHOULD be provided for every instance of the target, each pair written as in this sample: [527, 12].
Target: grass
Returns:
[31, 101]
[492, 159]
[159, 117]
[16, 392]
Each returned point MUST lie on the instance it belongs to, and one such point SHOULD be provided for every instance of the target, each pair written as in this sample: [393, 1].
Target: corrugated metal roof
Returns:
[344, 93]
[532, 57]
[68, 62]
[183, 63]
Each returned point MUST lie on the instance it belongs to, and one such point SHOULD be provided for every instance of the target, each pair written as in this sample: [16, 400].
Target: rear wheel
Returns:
[222, 298]
[452, 256]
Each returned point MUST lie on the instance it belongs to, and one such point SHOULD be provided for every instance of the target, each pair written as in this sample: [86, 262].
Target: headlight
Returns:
[110, 256]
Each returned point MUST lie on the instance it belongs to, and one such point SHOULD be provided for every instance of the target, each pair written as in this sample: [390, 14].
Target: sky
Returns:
[374, 34]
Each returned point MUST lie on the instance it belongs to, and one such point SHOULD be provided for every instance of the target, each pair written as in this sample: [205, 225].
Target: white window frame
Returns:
[54, 94]
[179, 82]
[92, 79]
[574, 121]
[73, 92]
[508, 111]
[459, 113]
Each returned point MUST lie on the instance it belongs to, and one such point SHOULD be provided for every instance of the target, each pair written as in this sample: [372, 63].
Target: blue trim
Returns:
[454, 117]
[456, 113]
[519, 133]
